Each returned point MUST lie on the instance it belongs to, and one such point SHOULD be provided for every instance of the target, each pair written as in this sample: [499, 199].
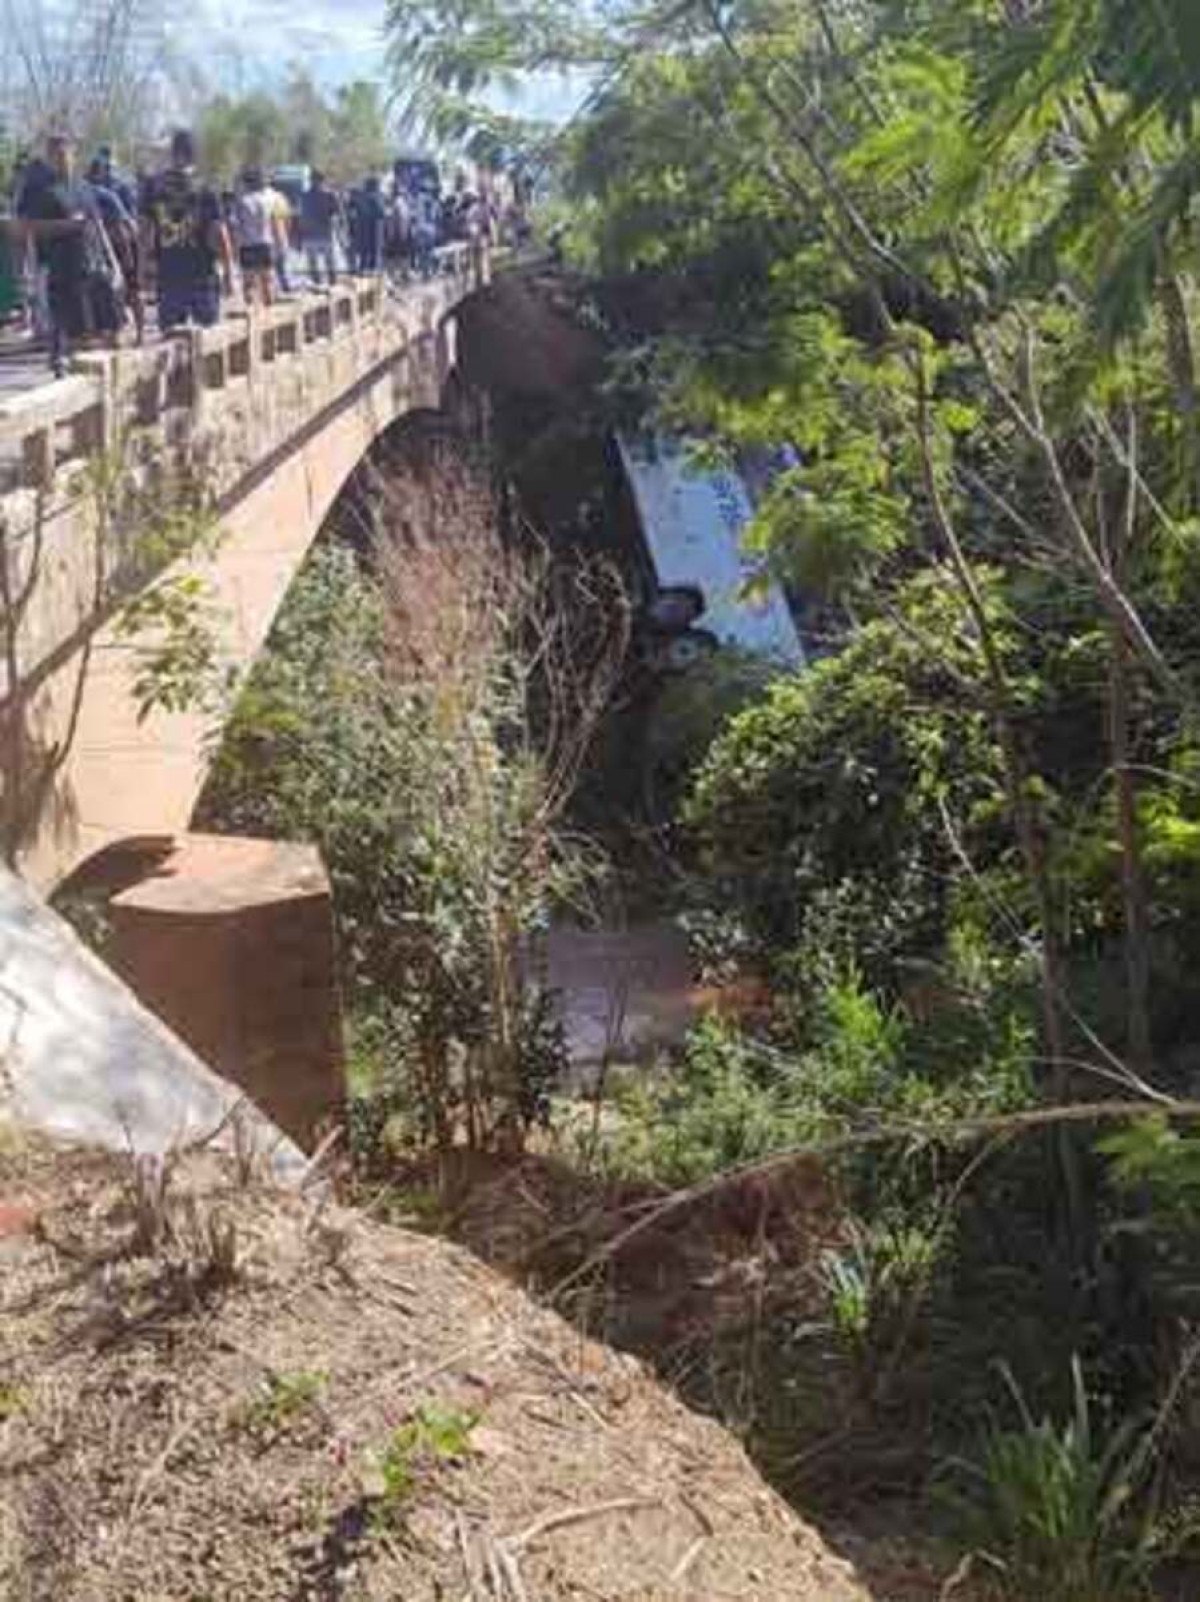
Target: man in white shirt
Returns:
[260, 229]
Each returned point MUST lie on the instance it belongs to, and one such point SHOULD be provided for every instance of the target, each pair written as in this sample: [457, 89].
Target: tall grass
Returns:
[1067, 1510]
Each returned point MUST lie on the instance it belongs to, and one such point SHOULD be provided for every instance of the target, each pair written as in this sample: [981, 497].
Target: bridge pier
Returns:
[229, 941]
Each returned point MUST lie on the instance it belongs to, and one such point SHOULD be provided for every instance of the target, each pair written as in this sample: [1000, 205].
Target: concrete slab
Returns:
[82, 1059]
[230, 942]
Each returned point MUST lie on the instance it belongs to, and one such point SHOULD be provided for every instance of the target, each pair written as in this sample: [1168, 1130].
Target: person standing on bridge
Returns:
[426, 212]
[320, 216]
[262, 237]
[119, 290]
[104, 171]
[190, 242]
[61, 215]
[367, 217]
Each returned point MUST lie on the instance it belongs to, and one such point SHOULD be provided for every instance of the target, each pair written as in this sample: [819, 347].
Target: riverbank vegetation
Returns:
[945, 252]
[422, 714]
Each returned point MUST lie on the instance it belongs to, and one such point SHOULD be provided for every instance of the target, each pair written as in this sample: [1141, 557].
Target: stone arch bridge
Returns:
[268, 413]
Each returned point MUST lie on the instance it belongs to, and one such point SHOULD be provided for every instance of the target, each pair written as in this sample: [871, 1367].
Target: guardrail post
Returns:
[196, 377]
[110, 405]
[378, 322]
[152, 387]
[253, 344]
[289, 332]
[95, 429]
[37, 458]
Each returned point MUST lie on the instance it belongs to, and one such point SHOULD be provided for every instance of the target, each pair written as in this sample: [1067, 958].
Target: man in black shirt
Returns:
[367, 216]
[190, 241]
[60, 213]
[320, 211]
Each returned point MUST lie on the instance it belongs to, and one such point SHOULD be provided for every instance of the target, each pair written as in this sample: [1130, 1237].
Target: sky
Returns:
[336, 41]
[241, 45]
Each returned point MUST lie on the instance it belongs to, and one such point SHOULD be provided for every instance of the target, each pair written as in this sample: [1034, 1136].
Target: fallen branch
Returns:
[963, 1129]
[319, 1157]
[511, 1571]
[464, 1547]
[565, 1378]
[679, 1572]
[579, 1515]
[158, 1465]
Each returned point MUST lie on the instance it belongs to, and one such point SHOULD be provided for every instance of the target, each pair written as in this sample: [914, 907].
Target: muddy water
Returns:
[624, 993]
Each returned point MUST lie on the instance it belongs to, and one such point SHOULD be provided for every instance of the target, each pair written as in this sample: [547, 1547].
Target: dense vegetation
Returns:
[421, 713]
[345, 133]
[943, 248]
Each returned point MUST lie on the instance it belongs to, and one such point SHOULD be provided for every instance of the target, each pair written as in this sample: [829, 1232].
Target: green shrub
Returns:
[818, 812]
[725, 1103]
[1153, 1154]
[433, 1436]
[1065, 1509]
[280, 1399]
[733, 1098]
[688, 713]
[868, 1284]
[423, 721]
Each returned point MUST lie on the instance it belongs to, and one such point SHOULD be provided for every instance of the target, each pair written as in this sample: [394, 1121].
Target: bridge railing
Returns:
[95, 467]
[48, 430]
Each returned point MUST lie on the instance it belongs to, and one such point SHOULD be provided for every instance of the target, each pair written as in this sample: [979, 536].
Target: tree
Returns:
[346, 136]
[251, 131]
[942, 249]
[359, 141]
[451, 64]
[819, 809]
[307, 115]
[93, 68]
[425, 722]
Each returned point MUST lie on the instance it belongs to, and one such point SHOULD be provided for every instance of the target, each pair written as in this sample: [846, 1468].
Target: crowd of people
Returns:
[83, 254]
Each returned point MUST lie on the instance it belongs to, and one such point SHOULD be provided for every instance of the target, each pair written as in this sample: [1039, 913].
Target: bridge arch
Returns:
[284, 405]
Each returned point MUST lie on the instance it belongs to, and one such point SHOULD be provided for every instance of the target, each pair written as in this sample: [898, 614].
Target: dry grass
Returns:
[504, 658]
[474, 596]
[702, 1294]
[169, 1431]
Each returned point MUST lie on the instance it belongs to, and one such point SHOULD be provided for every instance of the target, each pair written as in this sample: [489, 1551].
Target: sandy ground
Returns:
[212, 1390]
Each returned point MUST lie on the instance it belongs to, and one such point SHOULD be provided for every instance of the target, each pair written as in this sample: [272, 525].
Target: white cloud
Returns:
[255, 42]
[333, 39]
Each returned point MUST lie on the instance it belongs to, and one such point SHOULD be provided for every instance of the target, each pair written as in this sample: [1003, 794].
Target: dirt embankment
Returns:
[212, 1390]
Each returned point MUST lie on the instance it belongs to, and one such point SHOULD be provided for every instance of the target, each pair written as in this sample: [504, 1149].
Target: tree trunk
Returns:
[1120, 724]
[1133, 885]
[1181, 364]
[1025, 822]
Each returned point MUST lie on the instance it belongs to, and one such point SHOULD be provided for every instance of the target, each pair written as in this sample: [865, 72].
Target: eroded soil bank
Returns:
[212, 1389]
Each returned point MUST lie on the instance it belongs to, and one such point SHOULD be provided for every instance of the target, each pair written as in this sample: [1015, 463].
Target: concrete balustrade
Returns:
[267, 413]
[69, 420]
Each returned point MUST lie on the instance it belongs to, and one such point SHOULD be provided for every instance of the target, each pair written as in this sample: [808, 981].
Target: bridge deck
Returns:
[31, 395]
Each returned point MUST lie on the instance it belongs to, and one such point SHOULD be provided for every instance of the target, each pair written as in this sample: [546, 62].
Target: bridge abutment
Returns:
[229, 941]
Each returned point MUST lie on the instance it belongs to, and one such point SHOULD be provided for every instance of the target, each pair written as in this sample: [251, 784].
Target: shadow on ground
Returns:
[720, 1296]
